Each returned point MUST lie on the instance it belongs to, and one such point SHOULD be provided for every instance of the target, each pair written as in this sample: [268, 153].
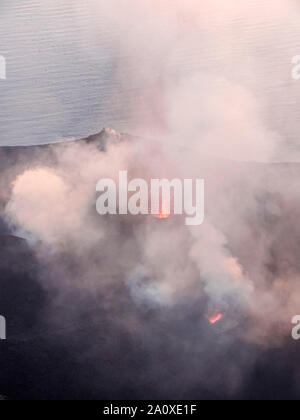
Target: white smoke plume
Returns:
[243, 262]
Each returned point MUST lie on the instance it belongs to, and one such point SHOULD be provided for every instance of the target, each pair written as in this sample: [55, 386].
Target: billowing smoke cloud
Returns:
[208, 57]
[149, 274]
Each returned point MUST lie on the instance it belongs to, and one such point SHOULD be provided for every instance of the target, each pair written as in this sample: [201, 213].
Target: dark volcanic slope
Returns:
[92, 356]
[25, 155]
[14, 160]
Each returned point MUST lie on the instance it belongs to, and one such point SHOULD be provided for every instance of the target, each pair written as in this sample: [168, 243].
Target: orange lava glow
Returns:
[162, 215]
[215, 318]
[164, 212]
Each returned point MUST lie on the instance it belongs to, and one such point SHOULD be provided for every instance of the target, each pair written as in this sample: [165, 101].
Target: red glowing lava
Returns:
[213, 319]
[162, 215]
[164, 212]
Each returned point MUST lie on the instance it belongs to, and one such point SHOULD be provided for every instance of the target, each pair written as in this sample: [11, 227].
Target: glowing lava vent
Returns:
[216, 317]
[162, 215]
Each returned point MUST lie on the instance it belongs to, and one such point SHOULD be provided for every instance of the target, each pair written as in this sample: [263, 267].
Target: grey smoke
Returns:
[136, 273]
[144, 288]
